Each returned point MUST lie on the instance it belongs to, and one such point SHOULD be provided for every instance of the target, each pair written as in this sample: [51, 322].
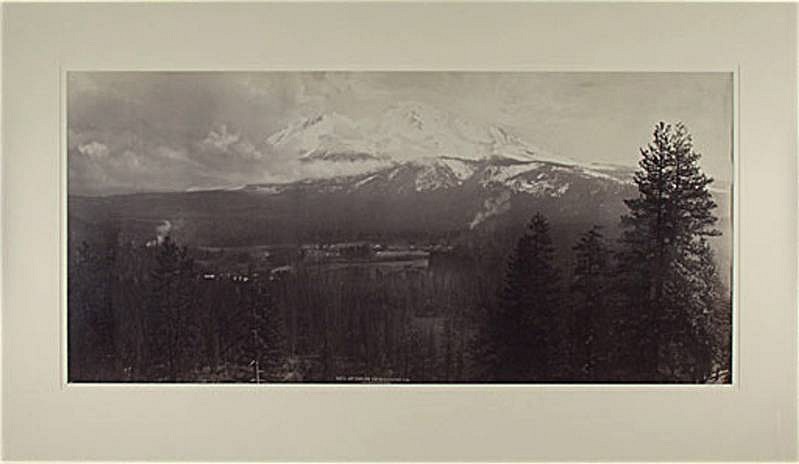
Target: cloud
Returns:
[93, 150]
[221, 141]
[131, 161]
[247, 150]
[173, 154]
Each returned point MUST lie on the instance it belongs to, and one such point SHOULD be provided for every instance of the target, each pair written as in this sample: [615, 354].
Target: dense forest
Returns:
[647, 304]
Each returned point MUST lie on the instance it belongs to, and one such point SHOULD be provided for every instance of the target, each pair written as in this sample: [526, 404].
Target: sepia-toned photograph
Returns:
[399, 227]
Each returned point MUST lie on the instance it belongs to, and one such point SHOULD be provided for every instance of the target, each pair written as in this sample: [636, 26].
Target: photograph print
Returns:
[399, 227]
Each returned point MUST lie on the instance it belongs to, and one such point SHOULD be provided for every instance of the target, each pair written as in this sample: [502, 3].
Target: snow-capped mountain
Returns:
[445, 172]
[404, 132]
[415, 173]
[418, 170]
[471, 190]
[423, 200]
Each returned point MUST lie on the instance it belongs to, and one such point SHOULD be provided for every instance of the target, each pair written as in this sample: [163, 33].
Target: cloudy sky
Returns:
[156, 131]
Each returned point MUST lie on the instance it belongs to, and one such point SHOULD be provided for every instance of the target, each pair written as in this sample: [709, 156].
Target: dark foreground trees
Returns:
[590, 297]
[653, 311]
[523, 342]
[171, 333]
[147, 314]
[669, 280]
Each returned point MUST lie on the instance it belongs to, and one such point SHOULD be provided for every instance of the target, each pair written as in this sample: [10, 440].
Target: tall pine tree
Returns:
[171, 328]
[521, 345]
[589, 289]
[665, 236]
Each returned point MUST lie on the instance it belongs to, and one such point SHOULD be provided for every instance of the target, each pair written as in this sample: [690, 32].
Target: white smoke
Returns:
[492, 207]
[162, 231]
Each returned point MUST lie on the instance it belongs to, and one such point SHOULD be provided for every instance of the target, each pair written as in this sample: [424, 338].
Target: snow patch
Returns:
[540, 187]
[501, 174]
[492, 206]
[268, 189]
[597, 174]
[363, 182]
[461, 169]
[433, 178]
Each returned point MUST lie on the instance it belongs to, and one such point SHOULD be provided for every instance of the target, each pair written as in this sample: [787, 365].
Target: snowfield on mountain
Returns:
[405, 131]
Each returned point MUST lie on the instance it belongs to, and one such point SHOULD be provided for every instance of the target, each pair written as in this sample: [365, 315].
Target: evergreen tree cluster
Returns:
[149, 316]
[652, 310]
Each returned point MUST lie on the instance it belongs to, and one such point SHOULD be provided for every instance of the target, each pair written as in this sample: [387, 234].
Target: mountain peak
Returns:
[405, 131]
